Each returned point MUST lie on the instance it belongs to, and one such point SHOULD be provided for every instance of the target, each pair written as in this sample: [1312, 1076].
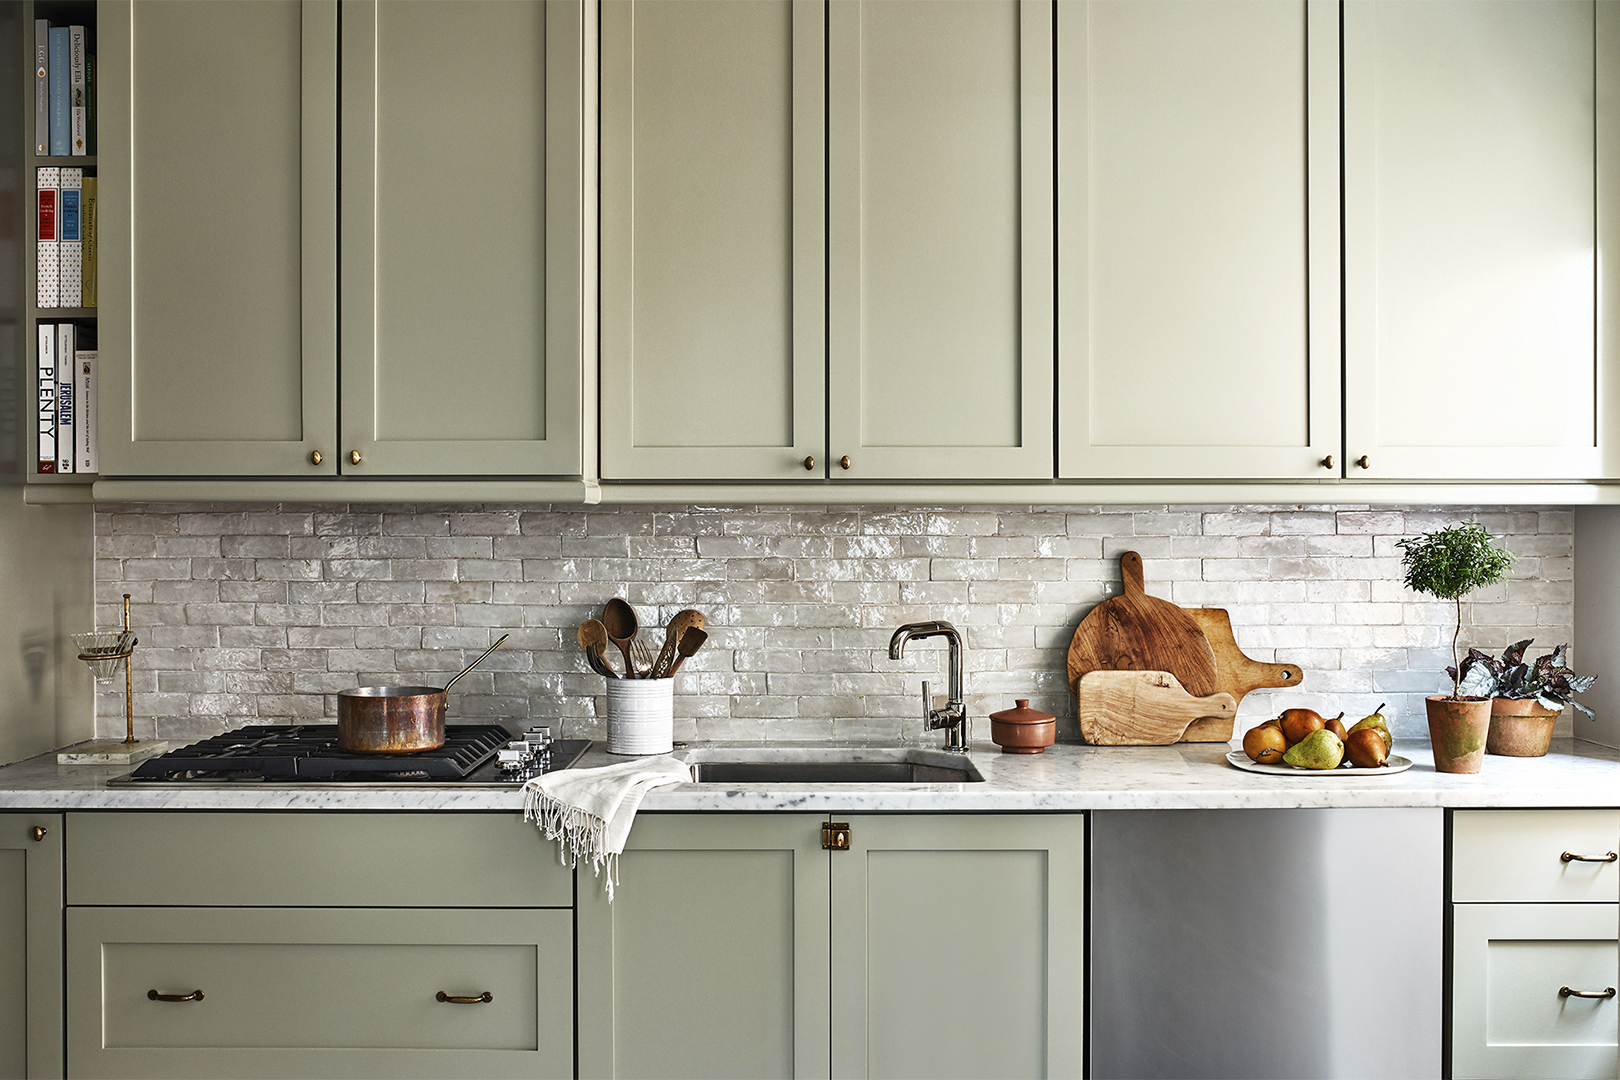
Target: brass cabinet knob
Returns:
[314, 457]
[1362, 461]
[1327, 462]
[38, 832]
[844, 461]
[354, 457]
[809, 463]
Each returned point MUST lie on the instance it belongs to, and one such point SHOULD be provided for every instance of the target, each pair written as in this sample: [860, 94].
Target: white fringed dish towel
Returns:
[589, 811]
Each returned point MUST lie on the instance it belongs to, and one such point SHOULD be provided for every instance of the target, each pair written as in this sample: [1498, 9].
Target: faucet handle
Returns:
[928, 707]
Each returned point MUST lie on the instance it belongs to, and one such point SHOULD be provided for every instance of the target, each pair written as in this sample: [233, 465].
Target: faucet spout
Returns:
[953, 717]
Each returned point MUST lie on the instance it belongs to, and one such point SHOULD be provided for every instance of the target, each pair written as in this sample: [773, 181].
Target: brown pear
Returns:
[1265, 744]
[1298, 723]
[1336, 725]
[1366, 748]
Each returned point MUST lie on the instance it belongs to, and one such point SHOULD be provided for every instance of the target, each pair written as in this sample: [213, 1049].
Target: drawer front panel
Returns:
[1515, 856]
[1510, 962]
[315, 990]
[313, 860]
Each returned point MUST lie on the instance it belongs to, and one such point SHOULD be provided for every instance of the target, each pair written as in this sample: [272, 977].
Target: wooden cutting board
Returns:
[1142, 708]
[1137, 632]
[1235, 673]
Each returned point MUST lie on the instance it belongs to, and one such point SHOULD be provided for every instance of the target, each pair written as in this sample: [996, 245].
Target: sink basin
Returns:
[865, 765]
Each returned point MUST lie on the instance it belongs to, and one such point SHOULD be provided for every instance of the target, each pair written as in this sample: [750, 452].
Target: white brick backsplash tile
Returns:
[266, 613]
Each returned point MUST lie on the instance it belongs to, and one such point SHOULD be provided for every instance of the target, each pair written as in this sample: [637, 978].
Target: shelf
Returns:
[50, 314]
[87, 161]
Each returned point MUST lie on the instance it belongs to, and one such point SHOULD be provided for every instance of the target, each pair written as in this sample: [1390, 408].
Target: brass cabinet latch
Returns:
[835, 835]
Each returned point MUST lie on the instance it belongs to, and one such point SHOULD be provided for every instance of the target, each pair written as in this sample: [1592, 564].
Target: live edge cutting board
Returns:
[1137, 632]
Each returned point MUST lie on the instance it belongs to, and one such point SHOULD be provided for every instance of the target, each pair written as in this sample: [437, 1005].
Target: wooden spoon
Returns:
[691, 642]
[680, 624]
[619, 618]
[593, 639]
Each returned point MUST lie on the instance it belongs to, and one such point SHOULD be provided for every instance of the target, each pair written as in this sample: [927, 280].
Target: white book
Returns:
[77, 102]
[46, 383]
[42, 87]
[48, 237]
[71, 254]
[86, 457]
[66, 335]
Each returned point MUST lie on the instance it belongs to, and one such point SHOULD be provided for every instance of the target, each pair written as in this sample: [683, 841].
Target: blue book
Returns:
[61, 122]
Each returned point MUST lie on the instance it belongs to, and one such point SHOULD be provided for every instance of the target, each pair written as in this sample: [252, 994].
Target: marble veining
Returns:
[1066, 777]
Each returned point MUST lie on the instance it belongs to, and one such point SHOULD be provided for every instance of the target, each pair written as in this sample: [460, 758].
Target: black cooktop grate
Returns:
[310, 752]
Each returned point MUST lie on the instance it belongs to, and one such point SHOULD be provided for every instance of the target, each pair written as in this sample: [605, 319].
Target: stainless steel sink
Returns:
[843, 766]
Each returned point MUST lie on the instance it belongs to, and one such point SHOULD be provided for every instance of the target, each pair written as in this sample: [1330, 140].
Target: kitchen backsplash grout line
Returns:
[261, 614]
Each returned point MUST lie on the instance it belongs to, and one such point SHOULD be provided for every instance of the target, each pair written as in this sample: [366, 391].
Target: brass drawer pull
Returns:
[195, 995]
[1566, 992]
[1570, 857]
[482, 999]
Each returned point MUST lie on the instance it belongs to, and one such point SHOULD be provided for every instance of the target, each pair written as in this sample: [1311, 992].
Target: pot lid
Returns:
[1023, 714]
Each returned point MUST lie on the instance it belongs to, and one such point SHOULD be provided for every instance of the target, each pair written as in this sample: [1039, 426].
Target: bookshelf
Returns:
[60, 13]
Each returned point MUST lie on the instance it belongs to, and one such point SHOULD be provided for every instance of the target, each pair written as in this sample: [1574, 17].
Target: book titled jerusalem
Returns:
[47, 238]
[71, 256]
[42, 87]
[86, 456]
[65, 338]
[46, 408]
[76, 91]
[88, 227]
[61, 122]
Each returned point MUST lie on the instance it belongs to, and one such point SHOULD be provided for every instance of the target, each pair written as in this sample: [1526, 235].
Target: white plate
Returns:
[1395, 764]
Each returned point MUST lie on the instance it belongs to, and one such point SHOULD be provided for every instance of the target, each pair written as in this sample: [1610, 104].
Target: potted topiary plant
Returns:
[1525, 698]
[1448, 564]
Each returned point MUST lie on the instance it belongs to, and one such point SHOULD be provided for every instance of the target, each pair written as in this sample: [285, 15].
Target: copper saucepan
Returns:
[396, 719]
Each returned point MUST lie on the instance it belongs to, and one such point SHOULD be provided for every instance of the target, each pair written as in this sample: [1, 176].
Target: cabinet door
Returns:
[218, 239]
[462, 303]
[319, 992]
[959, 946]
[1510, 962]
[713, 239]
[711, 959]
[940, 239]
[1470, 242]
[30, 945]
[1198, 239]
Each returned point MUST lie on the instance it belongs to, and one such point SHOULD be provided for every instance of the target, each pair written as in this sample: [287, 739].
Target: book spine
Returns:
[42, 87]
[60, 124]
[64, 397]
[46, 383]
[90, 102]
[47, 239]
[76, 113]
[88, 227]
[71, 258]
[87, 459]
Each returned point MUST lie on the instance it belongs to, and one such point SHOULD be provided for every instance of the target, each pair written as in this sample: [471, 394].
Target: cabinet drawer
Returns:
[313, 860]
[1509, 963]
[319, 992]
[1516, 856]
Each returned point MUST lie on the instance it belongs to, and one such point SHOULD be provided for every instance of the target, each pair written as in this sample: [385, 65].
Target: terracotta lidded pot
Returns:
[1023, 730]
[1458, 729]
[1520, 727]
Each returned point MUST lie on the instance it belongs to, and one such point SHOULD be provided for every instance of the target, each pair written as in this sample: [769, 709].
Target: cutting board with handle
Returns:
[1142, 708]
[1235, 673]
[1137, 632]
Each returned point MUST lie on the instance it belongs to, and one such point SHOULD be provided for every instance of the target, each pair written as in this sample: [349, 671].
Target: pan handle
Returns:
[476, 662]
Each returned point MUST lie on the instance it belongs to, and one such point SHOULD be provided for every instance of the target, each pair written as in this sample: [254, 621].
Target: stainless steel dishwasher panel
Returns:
[1267, 943]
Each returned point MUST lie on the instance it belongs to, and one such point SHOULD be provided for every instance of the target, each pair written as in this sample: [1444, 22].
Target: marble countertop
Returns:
[1184, 776]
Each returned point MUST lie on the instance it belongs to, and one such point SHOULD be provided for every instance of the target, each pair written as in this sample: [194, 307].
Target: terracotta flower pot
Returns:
[1458, 731]
[1520, 727]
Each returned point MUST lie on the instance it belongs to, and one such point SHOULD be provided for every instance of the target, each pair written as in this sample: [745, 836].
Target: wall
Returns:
[260, 614]
[1597, 615]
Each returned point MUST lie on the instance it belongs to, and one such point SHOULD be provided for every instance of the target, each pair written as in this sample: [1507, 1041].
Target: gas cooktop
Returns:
[296, 753]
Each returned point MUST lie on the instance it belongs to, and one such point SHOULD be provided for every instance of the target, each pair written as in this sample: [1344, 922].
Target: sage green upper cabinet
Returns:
[462, 238]
[713, 239]
[940, 240]
[1470, 239]
[1198, 239]
[218, 237]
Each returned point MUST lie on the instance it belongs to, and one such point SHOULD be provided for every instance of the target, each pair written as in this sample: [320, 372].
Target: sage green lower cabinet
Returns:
[30, 945]
[935, 945]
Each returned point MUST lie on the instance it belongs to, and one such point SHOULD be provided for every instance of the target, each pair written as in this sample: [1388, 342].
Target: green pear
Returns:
[1377, 723]
[1320, 749]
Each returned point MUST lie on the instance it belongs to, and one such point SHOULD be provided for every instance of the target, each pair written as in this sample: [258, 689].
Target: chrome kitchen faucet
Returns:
[953, 717]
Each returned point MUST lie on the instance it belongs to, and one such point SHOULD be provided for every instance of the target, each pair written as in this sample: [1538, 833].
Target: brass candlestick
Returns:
[102, 650]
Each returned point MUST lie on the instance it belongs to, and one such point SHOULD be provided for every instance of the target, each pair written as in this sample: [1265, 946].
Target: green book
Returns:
[90, 103]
